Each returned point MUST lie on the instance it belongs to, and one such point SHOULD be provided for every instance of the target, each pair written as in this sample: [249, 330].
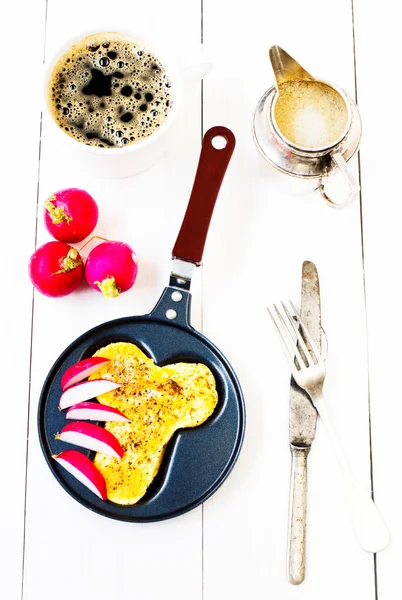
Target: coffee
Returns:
[310, 114]
[109, 91]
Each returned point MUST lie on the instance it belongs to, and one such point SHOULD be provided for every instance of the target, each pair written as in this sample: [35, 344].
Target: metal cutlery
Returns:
[308, 369]
[302, 427]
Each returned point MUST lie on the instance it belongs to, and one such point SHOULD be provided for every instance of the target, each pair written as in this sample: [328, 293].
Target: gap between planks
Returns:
[32, 331]
[364, 294]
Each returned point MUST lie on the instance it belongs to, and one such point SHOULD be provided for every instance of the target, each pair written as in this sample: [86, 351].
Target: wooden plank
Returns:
[20, 110]
[377, 52]
[69, 550]
[260, 235]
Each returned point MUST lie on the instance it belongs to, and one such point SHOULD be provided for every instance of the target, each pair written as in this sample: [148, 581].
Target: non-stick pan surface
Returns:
[197, 460]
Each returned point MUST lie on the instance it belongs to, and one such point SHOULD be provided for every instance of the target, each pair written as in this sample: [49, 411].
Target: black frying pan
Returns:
[197, 461]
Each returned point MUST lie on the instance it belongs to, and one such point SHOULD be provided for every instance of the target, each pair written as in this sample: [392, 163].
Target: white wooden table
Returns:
[234, 546]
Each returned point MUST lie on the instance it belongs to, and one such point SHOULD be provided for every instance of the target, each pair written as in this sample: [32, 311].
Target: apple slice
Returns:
[84, 470]
[93, 437]
[81, 370]
[85, 391]
[92, 411]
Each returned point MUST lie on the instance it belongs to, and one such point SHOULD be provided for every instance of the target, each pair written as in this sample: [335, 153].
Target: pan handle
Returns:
[211, 170]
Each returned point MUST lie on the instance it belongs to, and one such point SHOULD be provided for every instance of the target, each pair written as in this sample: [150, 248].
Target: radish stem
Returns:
[108, 287]
[94, 237]
[70, 262]
[57, 214]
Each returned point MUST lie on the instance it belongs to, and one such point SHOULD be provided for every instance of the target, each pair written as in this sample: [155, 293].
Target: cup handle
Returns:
[354, 186]
[196, 66]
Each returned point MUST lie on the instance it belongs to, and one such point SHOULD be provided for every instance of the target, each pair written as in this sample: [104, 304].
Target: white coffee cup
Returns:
[135, 158]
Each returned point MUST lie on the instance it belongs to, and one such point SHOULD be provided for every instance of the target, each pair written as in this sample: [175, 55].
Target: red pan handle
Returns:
[211, 170]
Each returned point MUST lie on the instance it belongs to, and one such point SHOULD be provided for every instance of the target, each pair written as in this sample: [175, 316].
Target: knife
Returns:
[302, 426]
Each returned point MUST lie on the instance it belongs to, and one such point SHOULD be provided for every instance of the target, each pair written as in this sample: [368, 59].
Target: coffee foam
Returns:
[310, 114]
[109, 91]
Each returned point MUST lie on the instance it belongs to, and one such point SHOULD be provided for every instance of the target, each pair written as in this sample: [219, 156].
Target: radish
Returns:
[85, 391]
[92, 411]
[81, 370]
[56, 269]
[93, 437]
[111, 268]
[84, 470]
[70, 215]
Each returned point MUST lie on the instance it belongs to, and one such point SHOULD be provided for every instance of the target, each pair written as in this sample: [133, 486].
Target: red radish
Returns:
[111, 268]
[70, 215]
[56, 269]
[85, 391]
[84, 470]
[93, 437]
[92, 411]
[81, 370]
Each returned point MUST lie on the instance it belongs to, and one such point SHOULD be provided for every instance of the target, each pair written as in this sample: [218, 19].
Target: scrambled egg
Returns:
[158, 401]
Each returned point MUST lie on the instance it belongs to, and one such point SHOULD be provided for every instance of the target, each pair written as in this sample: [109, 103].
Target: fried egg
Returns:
[158, 401]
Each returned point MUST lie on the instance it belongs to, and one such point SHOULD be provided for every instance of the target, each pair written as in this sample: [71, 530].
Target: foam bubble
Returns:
[101, 89]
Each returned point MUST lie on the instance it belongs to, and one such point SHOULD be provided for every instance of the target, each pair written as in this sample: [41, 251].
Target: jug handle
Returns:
[354, 186]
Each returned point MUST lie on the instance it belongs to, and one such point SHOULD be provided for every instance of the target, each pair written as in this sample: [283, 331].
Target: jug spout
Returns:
[286, 68]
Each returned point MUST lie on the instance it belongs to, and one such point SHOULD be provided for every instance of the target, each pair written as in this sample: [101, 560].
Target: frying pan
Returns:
[197, 461]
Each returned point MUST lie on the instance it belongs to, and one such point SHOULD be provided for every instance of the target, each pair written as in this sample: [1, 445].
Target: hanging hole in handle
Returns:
[219, 142]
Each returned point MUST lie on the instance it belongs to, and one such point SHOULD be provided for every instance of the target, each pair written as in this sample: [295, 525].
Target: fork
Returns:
[308, 369]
